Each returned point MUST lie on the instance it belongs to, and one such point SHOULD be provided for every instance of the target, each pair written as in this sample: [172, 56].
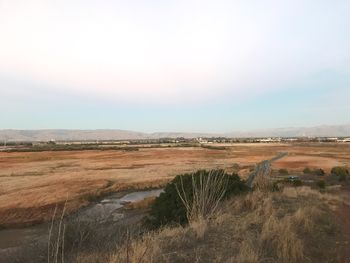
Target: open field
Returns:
[32, 183]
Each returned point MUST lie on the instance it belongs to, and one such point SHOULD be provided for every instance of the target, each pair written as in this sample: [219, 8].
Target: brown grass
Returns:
[32, 183]
[258, 227]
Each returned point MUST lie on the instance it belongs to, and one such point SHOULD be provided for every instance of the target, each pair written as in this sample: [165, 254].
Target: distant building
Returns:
[201, 140]
[332, 139]
[269, 140]
[344, 140]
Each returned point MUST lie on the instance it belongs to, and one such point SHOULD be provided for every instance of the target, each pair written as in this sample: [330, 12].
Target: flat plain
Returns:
[32, 183]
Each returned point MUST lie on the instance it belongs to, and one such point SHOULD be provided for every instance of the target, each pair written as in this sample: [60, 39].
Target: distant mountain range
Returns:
[316, 131]
[61, 134]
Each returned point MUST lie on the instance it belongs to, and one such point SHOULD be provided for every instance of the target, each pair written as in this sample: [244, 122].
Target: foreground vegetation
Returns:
[210, 216]
[187, 193]
[32, 183]
[268, 224]
[294, 225]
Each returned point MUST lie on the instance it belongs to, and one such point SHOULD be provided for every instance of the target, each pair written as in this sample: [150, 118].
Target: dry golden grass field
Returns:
[32, 183]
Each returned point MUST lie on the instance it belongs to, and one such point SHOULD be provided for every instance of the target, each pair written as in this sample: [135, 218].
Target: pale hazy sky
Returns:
[213, 66]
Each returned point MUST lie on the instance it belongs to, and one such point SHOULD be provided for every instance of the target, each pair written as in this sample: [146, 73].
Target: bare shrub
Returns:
[207, 192]
[290, 192]
[192, 195]
[55, 246]
[249, 202]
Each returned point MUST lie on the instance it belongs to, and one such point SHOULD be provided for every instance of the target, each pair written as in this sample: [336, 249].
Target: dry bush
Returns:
[291, 192]
[266, 207]
[261, 180]
[207, 192]
[256, 227]
[305, 191]
[144, 251]
[279, 238]
[248, 202]
[56, 238]
[262, 183]
[305, 218]
[199, 227]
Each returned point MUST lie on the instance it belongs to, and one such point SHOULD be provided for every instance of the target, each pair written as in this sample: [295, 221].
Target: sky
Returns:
[189, 66]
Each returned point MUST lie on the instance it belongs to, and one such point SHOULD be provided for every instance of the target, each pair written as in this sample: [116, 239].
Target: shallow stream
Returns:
[109, 209]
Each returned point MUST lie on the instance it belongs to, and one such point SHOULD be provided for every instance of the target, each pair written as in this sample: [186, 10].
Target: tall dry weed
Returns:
[305, 218]
[207, 192]
[56, 237]
[144, 250]
[199, 227]
[249, 202]
[280, 239]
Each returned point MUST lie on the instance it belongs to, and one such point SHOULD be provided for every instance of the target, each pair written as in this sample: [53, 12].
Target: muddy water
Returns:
[109, 209]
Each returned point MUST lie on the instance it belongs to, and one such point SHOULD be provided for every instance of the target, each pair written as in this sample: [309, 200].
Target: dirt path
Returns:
[264, 168]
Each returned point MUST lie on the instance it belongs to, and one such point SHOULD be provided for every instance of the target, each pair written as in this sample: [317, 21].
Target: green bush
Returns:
[168, 207]
[307, 170]
[283, 171]
[321, 184]
[319, 172]
[341, 172]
